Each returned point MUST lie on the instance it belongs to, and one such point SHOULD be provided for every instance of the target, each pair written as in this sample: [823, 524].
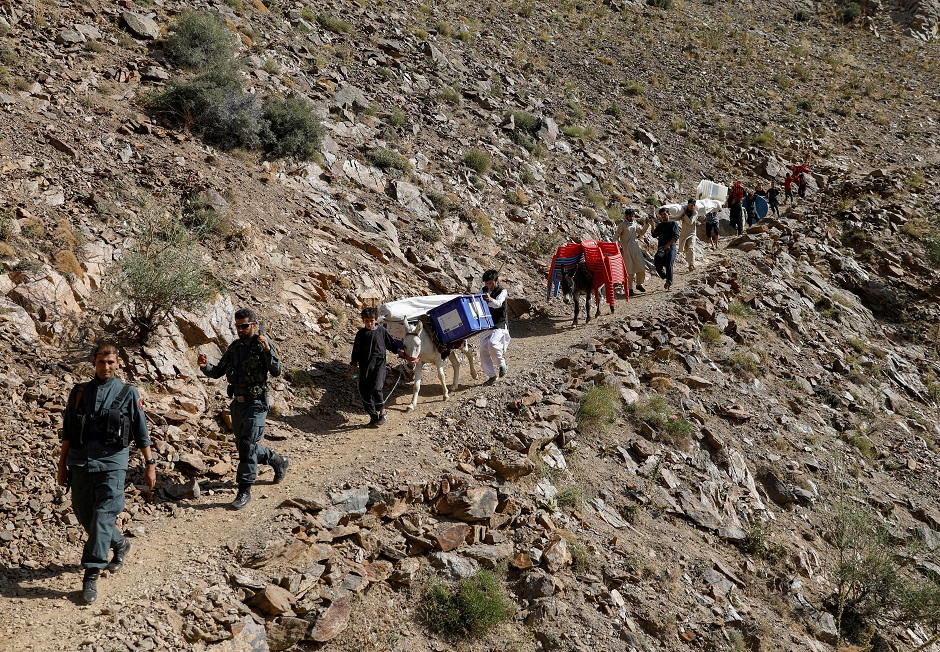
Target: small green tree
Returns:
[164, 272]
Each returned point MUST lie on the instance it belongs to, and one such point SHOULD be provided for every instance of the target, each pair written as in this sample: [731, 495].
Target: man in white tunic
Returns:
[628, 234]
[687, 235]
[494, 343]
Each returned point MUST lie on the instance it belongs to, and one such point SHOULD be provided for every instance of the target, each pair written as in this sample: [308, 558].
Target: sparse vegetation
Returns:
[738, 309]
[542, 244]
[569, 497]
[758, 541]
[449, 94]
[600, 408]
[525, 120]
[660, 415]
[334, 24]
[472, 607]
[387, 159]
[478, 160]
[745, 363]
[710, 334]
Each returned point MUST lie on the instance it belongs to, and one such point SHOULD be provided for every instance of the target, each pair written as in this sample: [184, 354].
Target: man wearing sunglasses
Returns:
[246, 365]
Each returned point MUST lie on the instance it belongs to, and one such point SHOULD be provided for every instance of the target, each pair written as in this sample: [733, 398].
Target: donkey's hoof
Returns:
[410, 408]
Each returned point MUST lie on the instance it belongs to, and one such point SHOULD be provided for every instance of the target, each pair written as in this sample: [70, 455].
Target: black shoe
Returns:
[382, 419]
[640, 288]
[120, 552]
[503, 371]
[90, 585]
[243, 498]
[280, 468]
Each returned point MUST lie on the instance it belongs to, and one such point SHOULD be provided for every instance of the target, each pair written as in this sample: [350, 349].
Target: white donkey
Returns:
[419, 349]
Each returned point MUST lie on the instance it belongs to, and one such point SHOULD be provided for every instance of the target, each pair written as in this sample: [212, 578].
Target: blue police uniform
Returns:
[246, 365]
[98, 463]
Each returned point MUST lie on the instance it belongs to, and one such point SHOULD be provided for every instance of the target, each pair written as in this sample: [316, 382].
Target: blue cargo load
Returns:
[461, 317]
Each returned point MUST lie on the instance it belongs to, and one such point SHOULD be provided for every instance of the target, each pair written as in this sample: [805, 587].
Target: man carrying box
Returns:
[494, 343]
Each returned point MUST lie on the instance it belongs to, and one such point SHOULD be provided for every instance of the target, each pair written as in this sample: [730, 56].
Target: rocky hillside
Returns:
[675, 477]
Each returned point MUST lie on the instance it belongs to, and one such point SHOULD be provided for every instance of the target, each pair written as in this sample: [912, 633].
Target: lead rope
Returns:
[401, 374]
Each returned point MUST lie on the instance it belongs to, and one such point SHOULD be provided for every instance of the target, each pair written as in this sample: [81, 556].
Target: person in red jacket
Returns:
[788, 189]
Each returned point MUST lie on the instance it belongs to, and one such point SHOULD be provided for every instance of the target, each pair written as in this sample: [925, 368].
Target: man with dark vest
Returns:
[101, 417]
[494, 342]
[246, 365]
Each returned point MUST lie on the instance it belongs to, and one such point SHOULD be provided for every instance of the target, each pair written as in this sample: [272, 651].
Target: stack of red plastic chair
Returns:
[606, 263]
[567, 255]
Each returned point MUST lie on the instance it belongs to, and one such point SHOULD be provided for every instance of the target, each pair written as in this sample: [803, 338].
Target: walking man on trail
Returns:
[666, 234]
[246, 365]
[773, 198]
[629, 234]
[101, 417]
[788, 189]
[368, 356]
[735, 198]
[687, 236]
[494, 342]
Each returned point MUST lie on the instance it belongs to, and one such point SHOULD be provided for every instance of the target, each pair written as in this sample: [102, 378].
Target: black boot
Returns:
[279, 464]
[243, 497]
[90, 585]
[120, 552]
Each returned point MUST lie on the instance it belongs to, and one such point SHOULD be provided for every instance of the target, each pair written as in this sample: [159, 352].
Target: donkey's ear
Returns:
[418, 327]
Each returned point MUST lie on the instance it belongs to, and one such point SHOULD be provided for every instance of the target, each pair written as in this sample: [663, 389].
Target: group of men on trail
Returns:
[674, 234]
[671, 237]
[104, 415]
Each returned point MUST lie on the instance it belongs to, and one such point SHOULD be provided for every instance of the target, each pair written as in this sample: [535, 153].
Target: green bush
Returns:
[744, 363]
[801, 15]
[710, 334]
[215, 106]
[660, 415]
[472, 607]
[738, 309]
[570, 497]
[478, 160]
[660, 4]
[334, 24]
[385, 159]
[542, 244]
[449, 94]
[600, 407]
[201, 41]
[6, 224]
[295, 130]
[525, 120]
[849, 12]
[397, 118]
[203, 220]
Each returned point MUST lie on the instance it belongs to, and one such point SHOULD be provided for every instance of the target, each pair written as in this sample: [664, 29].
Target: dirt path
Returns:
[178, 552]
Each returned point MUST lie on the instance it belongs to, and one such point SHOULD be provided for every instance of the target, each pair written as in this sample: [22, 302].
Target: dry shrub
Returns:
[67, 263]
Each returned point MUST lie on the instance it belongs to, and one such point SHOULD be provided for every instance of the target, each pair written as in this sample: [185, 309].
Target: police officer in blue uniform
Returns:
[246, 365]
[101, 418]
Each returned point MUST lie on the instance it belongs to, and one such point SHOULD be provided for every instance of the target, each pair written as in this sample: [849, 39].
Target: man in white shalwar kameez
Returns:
[494, 342]
[629, 234]
[687, 235]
